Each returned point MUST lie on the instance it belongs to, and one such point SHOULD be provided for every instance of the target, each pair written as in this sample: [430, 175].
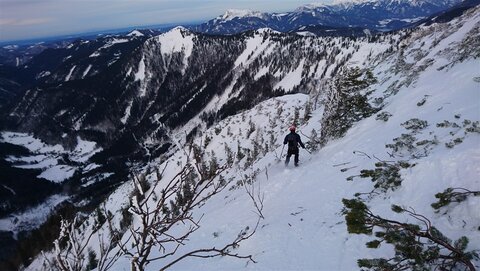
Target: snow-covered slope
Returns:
[427, 90]
[173, 84]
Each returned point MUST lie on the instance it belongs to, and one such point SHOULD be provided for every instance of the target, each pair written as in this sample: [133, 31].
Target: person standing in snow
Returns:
[293, 140]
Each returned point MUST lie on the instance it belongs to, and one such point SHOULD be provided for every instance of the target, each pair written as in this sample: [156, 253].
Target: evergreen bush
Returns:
[417, 247]
[347, 102]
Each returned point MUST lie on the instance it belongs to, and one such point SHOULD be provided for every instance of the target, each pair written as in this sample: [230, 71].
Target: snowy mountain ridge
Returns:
[240, 13]
[366, 14]
[425, 93]
[169, 85]
[413, 2]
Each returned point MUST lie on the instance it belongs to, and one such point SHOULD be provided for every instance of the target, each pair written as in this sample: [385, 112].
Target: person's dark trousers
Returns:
[289, 154]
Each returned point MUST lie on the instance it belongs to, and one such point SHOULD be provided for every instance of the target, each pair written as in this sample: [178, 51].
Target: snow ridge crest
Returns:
[231, 14]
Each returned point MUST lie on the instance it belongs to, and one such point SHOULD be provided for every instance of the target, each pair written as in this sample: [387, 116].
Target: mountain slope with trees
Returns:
[391, 180]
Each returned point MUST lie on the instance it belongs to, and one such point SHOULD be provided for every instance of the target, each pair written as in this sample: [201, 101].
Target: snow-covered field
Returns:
[110, 43]
[49, 158]
[32, 218]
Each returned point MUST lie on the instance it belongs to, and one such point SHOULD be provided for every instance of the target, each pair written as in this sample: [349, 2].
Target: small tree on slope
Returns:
[163, 222]
[173, 208]
[347, 103]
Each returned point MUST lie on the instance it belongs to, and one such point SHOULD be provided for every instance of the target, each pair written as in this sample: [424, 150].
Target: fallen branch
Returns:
[362, 153]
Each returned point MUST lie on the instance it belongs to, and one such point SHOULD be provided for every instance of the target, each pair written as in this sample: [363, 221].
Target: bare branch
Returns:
[362, 153]
[342, 164]
[193, 185]
[256, 196]
[215, 252]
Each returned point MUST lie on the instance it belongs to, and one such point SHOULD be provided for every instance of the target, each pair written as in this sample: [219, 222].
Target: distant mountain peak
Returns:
[314, 5]
[379, 15]
[135, 33]
[175, 36]
[411, 2]
[179, 29]
[310, 7]
[341, 2]
[231, 14]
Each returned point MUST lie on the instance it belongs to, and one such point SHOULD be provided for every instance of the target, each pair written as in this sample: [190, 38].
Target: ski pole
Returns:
[282, 151]
[309, 138]
[305, 135]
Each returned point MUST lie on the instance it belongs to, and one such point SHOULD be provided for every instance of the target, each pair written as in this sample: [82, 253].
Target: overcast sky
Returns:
[26, 19]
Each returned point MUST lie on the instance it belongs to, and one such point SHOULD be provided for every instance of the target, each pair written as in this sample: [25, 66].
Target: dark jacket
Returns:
[293, 140]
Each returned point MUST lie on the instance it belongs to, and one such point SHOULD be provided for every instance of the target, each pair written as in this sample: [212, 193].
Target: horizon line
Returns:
[105, 31]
